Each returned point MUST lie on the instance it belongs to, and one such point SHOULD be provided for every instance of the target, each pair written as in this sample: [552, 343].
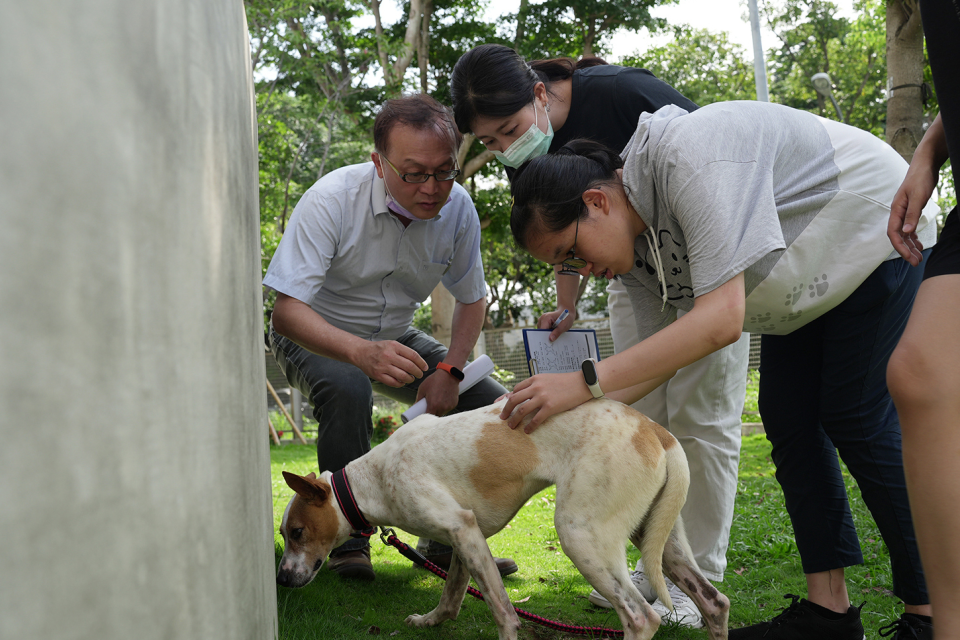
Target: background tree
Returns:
[704, 66]
[905, 61]
[322, 70]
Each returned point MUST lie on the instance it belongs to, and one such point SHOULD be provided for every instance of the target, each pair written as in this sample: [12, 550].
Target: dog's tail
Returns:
[662, 524]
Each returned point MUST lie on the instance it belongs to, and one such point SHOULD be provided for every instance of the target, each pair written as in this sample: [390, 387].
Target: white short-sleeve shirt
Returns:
[344, 254]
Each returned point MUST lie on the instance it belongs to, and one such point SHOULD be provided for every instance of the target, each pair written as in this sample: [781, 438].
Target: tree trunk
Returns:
[442, 303]
[904, 76]
[521, 21]
[423, 51]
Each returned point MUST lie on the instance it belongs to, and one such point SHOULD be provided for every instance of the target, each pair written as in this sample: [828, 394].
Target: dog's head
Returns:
[311, 527]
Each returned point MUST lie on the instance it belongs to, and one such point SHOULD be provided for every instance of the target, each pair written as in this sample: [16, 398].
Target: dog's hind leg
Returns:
[679, 565]
[597, 552]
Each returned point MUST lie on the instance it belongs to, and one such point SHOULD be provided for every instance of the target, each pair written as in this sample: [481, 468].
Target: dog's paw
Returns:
[429, 620]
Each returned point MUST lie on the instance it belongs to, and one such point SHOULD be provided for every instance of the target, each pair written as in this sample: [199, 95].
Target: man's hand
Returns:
[442, 392]
[390, 362]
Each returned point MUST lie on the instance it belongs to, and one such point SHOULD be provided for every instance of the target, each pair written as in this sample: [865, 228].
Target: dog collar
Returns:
[344, 496]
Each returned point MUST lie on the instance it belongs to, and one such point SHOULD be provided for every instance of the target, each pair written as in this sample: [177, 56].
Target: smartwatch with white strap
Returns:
[590, 376]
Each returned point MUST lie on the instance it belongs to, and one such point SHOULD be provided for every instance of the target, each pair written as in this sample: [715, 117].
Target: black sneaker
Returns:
[800, 621]
[909, 627]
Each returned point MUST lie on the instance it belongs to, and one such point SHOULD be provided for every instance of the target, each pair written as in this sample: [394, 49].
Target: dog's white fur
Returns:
[460, 479]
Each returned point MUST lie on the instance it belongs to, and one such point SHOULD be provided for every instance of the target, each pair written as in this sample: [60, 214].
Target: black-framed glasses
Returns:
[420, 178]
[569, 266]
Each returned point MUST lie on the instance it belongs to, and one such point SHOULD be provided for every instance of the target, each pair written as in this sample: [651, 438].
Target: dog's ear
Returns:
[311, 475]
[305, 488]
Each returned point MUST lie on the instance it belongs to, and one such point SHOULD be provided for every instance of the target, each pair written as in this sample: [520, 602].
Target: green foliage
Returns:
[751, 407]
[814, 39]
[504, 376]
[320, 78]
[581, 27]
[423, 319]
[383, 427]
[704, 66]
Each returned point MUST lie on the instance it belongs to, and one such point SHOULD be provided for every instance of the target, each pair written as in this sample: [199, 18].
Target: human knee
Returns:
[347, 389]
[911, 378]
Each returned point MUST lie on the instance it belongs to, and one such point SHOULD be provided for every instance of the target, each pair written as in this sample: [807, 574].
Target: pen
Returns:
[560, 318]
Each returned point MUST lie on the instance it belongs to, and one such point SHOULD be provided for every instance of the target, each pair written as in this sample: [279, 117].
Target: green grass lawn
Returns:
[763, 565]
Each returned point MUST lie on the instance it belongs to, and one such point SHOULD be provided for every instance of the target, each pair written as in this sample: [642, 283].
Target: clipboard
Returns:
[563, 355]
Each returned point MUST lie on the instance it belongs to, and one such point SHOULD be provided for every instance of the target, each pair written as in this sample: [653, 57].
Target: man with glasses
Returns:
[365, 247]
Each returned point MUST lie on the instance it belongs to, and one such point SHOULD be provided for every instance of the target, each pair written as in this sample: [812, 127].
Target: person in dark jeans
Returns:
[365, 246]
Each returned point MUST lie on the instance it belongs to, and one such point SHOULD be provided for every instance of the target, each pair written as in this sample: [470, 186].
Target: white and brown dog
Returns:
[460, 479]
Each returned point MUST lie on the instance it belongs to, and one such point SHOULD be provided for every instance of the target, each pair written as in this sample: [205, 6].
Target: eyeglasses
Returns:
[569, 266]
[420, 178]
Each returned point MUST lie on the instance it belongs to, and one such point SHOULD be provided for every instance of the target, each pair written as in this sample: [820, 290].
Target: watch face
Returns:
[589, 372]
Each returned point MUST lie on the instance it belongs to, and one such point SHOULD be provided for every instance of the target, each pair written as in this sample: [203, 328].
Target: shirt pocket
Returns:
[427, 278]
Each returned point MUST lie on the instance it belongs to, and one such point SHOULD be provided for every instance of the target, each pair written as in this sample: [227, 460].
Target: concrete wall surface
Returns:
[134, 462]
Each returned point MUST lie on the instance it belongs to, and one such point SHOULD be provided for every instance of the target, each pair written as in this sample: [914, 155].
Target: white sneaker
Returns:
[685, 612]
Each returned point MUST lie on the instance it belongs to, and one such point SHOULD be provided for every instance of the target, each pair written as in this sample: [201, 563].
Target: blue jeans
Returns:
[823, 390]
[342, 399]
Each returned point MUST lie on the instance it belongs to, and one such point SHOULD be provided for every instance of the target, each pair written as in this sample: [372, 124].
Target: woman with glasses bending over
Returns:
[521, 111]
[751, 215]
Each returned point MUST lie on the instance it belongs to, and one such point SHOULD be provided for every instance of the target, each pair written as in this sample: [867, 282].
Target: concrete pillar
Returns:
[134, 462]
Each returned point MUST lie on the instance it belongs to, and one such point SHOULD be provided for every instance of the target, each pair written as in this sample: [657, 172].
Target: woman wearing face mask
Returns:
[779, 222]
[521, 111]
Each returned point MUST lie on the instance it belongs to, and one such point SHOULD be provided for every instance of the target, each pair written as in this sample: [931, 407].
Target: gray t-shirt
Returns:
[726, 189]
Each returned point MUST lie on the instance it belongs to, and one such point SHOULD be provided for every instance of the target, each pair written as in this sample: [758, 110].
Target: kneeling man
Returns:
[365, 246]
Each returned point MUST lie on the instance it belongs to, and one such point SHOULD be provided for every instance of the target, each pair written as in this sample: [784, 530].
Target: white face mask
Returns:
[532, 144]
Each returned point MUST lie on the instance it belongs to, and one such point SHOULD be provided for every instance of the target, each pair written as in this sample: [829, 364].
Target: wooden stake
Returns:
[283, 410]
[273, 432]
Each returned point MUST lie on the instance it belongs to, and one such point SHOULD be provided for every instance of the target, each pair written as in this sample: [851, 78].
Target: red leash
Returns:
[389, 537]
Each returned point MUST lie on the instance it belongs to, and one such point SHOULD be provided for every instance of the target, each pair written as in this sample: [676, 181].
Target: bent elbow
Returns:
[728, 326]
[281, 319]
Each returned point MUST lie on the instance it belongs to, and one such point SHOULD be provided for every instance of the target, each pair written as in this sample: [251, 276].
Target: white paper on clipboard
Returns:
[563, 355]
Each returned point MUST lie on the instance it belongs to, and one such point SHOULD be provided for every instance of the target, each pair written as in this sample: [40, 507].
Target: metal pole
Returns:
[759, 64]
[296, 399]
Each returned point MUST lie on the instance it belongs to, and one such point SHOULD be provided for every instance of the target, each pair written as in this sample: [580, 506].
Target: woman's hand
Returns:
[542, 396]
[546, 322]
[913, 194]
[905, 212]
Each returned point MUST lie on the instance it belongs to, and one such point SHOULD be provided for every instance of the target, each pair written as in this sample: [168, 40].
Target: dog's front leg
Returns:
[454, 590]
[471, 546]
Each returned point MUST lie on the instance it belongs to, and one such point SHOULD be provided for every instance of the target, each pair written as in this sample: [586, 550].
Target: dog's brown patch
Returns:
[504, 458]
[317, 517]
[650, 438]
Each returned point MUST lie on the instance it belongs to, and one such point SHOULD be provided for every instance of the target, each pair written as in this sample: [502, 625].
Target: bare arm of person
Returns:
[715, 322]
[915, 191]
